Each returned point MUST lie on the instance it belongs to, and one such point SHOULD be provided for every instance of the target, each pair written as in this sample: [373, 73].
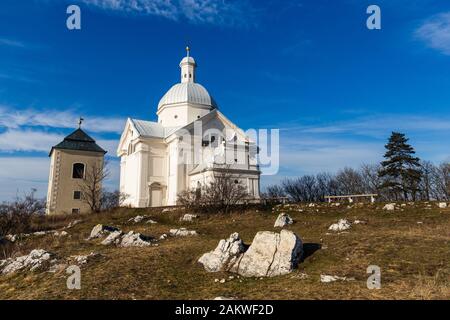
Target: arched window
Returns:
[78, 171]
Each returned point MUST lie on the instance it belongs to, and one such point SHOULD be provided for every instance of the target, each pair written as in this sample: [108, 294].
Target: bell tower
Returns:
[188, 66]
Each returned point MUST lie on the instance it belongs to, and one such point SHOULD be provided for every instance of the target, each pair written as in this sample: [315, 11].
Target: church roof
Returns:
[79, 141]
[150, 129]
[187, 92]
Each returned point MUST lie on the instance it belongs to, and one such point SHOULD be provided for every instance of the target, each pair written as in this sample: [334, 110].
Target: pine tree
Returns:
[400, 171]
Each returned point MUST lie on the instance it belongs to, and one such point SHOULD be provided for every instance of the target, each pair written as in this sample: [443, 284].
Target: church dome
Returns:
[192, 93]
[187, 91]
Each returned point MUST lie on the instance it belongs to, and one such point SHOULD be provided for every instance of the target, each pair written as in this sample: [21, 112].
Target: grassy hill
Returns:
[410, 245]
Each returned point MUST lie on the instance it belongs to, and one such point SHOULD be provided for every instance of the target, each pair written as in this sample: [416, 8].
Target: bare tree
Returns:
[15, 216]
[91, 185]
[111, 200]
[274, 191]
[222, 193]
[350, 181]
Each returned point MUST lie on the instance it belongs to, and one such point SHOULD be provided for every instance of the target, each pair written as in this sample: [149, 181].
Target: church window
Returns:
[175, 116]
[75, 210]
[78, 171]
[236, 181]
[77, 195]
[198, 117]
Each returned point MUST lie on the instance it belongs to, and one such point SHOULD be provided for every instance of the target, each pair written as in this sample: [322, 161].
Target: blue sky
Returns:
[311, 68]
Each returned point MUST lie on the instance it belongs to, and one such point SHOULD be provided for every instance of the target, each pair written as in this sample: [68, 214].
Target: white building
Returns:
[191, 142]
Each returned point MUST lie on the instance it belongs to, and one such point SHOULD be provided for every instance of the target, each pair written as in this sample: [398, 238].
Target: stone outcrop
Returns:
[225, 255]
[182, 232]
[113, 238]
[35, 260]
[134, 239]
[189, 217]
[389, 206]
[101, 230]
[341, 225]
[442, 205]
[283, 220]
[270, 254]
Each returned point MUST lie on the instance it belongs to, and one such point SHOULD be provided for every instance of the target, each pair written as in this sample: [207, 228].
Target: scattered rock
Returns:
[163, 236]
[224, 298]
[11, 237]
[389, 206]
[182, 232]
[189, 217]
[359, 222]
[341, 225]
[222, 281]
[270, 254]
[283, 220]
[137, 219]
[151, 221]
[73, 223]
[134, 239]
[60, 234]
[225, 255]
[327, 278]
[35, 260]
[113, 238]
[300, 276]
[442, 205]
[100, 230]
[83, 259]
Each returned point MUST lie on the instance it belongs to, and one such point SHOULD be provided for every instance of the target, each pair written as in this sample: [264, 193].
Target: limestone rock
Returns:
[100, 230]
[442, 205]
[83, 259]
[113, 238]
[225, 254]
[341, 225]
[189, 217]
[134, 239]
[327, 278]
[182, 232]
[270, 254]
[389, 206]
[283, 220]
[137, 219]
[35, 260]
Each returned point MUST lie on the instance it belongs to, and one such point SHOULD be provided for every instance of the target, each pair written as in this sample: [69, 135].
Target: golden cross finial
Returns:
[188, 50]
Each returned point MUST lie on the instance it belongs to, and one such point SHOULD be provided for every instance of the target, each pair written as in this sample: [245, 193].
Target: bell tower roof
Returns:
[188, 66]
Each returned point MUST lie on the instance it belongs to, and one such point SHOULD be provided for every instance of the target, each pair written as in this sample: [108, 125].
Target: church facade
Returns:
[191, 142]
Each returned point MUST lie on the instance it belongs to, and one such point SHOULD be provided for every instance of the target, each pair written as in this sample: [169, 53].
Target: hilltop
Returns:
[410, 245]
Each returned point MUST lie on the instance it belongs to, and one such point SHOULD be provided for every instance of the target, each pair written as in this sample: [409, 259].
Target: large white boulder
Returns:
[270, 254]
[226, 253]
[283, 220]
[389, 206]
[341, 225]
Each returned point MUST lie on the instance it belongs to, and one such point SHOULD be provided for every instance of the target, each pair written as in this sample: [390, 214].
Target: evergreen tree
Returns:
[400, 171]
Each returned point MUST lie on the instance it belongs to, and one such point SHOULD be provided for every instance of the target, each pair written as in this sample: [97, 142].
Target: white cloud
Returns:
[28, 140]
[435, 32]
[14, 118]
[18, 175]
[219, 12]
[11, 43]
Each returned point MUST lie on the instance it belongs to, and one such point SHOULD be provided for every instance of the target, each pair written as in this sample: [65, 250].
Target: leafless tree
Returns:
[220, 195]
[91, 185]
[112, 200]
[274, 191]
[15, 216]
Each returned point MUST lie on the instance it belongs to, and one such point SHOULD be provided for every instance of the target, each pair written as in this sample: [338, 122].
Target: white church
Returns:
[190, 144]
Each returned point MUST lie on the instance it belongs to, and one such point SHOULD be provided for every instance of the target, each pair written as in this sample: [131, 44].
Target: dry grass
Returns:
[414, 258]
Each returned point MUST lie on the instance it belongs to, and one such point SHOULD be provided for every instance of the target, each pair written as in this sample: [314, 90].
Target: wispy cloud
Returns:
[14, 118]
[218, 12]
[11, 43]
[435, 32]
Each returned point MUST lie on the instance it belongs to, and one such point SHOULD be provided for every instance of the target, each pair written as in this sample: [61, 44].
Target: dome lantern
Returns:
[188, 66]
